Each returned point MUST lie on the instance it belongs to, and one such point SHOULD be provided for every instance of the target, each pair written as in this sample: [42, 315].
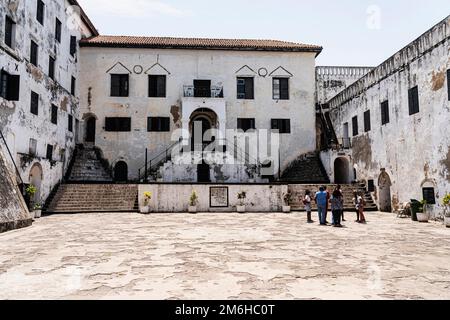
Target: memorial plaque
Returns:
[218, 197]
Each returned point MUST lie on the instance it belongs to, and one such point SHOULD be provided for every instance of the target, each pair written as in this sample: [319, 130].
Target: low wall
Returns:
[169, 198]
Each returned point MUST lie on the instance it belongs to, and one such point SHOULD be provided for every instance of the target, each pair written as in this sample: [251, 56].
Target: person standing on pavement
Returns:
[322, 202]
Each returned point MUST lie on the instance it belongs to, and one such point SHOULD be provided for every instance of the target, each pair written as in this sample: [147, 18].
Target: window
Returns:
[49, 152]
[246, 124]
[371, 186]
[119, 85]
[355, 126]
[9, 86]
[156, 86]
[70, 125]
[448, 84]
[158, 124]
[413, 98]
[34, 109]
[429, 195]
[10, 28]
[58, 30]
[245, 88]
[281, 88]
[51, 68]
[54, 114]
[34, 53]
[118, 124]
[73, 86]
[384, 112]
[283, 125]
[40, 11]
[32, 147]
[73, 45]
[367, 125]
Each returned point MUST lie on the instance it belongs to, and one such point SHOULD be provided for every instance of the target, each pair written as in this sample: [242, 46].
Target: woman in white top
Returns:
[307, 202]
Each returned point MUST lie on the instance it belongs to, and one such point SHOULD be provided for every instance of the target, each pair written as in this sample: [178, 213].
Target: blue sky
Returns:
[352, 32]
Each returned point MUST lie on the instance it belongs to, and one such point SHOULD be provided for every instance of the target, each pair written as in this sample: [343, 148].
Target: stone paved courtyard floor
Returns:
[224, 256]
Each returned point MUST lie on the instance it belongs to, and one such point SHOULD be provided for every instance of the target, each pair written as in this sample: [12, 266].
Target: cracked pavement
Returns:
[224, 256]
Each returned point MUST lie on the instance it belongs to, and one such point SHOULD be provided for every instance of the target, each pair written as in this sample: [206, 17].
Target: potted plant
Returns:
[288, 197]
[446, 203]
[193, 201]
[147, 197]
[241, 197]
[31, 192]
[37, 210]
[422, 214]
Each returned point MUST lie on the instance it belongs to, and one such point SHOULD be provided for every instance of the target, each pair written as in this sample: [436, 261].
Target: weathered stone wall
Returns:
[412, 151]
[181, 68]
[17, 123]
[13, 211]
[175, 197]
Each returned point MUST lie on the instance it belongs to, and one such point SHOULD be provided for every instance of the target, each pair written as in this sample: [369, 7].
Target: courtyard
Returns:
[224, 256]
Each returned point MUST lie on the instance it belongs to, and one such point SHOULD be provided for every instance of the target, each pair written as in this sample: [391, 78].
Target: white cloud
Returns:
[132, 9]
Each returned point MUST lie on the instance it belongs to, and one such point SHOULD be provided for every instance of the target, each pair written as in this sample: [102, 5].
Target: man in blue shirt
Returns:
[322, 201]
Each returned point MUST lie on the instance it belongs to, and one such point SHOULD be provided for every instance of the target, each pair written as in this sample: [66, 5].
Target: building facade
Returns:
[136, 92]
[39, 106]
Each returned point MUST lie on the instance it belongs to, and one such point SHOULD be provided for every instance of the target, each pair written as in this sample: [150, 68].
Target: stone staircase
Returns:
[298, 192]
[91, 198]
[307, 168]
[88, 166]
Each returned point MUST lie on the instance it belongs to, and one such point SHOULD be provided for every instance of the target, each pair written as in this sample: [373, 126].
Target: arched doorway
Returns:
[90, 129]
[121, 172]
[384, 185]
[341, 171]
[35, 179]
[201, 121]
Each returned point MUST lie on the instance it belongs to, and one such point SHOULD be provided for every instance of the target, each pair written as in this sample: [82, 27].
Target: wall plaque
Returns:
[218, 197]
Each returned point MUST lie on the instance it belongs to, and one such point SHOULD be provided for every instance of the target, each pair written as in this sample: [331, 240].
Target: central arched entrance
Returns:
[90, 129]
[384, 185]
[341, 171]
[121, 172]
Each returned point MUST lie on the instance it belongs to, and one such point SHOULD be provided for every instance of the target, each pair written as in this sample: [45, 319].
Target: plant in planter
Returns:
[147, 198]
[37, 210]
[446, 203]
[193, 202]
[31, 192]
[241, 197]
[422, 214]
[288, 197]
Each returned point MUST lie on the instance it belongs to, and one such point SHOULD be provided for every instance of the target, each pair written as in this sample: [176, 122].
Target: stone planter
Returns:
[37, 214]
[145, 209]
[32, 214]
[192, 209]
[240, 209]
[423, 217]
[287, 209]
[447, 222]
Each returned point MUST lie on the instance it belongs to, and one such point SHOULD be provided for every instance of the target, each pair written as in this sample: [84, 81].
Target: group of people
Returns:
[324, 199]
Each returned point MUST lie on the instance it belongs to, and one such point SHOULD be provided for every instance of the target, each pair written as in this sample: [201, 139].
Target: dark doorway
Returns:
[203, 173]
[198, 143]
[90, 130]
[121, 172]
[341, 171]
[202, 88]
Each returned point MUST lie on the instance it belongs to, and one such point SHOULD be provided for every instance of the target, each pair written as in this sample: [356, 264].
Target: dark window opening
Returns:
[429, 195]
[385, 112]
[355, 126]
[282, 125]
[202, 88]
[34, 53]
[58, 30]
[40, 11]
[157, 86]
[371, 186]
[9, 86]
[119, 85]
[73, 86]
[70, 124]
[158, 124]
[280, 88]
[73, 45]
[34, 109]
[413, 97]
[367, 124]
[245, 88]
[49, 155]
[246, 124]
[118, 124]
[9, 32]
[54, 117]
[448, 84]
[51, 68]
[32, 147]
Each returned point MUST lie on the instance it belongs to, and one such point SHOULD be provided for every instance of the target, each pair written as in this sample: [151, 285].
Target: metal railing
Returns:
[202, 92]
[12, 158]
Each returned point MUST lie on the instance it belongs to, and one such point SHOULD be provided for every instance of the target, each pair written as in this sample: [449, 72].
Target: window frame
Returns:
[58, 30]
[54, 114]
[34, 103]
[250, 124]
[367, 121]
[413, 100]
[40, 12]
[51, 67]
[73, 46]
[10, 26]
[112, 124]
[246, 89]
[70, 122]
[157, 83]
[9, 86]
[123, 79]
[73, 85]
[284, 94]
[427, 191]
[385, 113]
[49, 152]
[355, 127]
[34, 53]
[282, 125]
[162, 124]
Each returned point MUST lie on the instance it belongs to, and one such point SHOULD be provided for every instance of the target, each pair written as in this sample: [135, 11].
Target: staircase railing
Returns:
[12, 158]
